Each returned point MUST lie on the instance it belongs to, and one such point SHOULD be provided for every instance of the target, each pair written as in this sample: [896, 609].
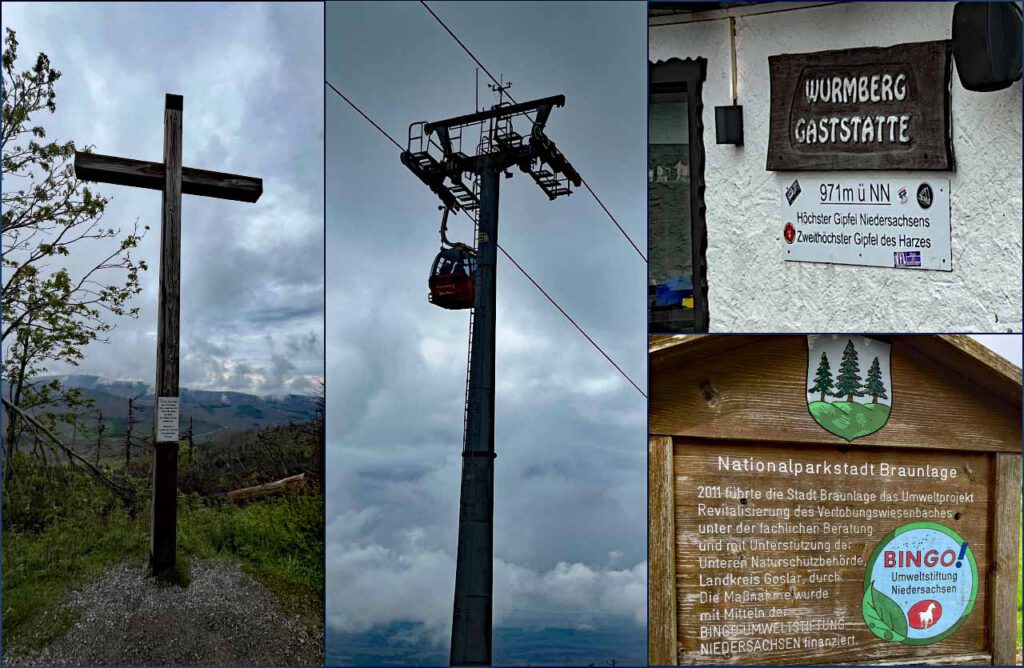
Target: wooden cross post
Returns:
[172, 180]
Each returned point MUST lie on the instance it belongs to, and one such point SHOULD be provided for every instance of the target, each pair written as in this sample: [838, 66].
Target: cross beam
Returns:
[497, 112]
[151, 175]
[173, 180]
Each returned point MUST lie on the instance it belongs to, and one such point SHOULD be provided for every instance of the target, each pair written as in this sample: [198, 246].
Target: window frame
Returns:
[675, 76]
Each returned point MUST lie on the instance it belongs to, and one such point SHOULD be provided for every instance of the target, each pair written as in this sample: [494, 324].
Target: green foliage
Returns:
[252, 457]
[50, 312]
[42, 495]
[823, 383]
[40, 564]
[63, 528]
[875, 388]
[848, 383]
[278, 539]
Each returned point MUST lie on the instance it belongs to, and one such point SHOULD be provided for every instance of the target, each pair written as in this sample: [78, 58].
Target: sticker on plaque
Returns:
[920, 584]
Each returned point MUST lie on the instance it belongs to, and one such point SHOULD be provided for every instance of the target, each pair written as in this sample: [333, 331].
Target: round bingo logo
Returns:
[920, 584]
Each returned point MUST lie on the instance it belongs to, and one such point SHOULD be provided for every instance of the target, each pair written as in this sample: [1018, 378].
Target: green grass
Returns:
[40, 566]
[278, 540]
[1020, 594]
[849, 420]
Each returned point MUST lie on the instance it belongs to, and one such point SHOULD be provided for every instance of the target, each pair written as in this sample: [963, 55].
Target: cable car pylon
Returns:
[470, 182]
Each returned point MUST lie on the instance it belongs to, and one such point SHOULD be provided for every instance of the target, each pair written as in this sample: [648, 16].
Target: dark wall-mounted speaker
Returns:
[729, 125]
[987, 44]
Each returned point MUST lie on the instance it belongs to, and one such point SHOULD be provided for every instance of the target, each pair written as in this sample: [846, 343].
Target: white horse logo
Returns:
[925, 618]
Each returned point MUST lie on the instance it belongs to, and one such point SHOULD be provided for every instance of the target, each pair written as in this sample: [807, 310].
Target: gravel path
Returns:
[224, 617]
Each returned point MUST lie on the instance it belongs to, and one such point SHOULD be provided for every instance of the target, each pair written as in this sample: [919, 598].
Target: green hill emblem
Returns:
[842, 396]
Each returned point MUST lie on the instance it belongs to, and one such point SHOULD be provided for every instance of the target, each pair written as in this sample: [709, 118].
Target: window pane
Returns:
[670, 224]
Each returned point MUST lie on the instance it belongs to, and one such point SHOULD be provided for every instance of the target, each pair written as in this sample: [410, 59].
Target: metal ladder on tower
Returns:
[472, 317]
[469, 366]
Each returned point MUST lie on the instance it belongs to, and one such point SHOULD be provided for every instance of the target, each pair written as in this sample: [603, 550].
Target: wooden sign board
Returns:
[779, 537]
[778, 544]
[860, 109]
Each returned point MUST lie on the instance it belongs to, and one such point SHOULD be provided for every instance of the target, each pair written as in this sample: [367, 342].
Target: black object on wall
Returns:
[729, 125]
[987, 44]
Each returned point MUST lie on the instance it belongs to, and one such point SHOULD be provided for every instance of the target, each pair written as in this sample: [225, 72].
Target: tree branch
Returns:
[96, 473]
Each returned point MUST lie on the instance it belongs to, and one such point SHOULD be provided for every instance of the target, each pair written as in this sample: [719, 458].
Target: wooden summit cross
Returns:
[172, 179]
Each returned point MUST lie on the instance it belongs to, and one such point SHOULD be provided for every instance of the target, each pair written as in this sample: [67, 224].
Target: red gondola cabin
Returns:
[452, 282]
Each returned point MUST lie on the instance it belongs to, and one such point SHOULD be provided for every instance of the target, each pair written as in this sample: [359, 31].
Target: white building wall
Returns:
[751, 289]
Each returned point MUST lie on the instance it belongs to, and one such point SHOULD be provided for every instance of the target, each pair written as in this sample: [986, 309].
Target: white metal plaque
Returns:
[167, 411]
[901, 222]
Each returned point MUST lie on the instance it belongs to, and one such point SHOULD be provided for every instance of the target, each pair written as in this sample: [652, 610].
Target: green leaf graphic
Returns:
[883, 615]
[890, 612]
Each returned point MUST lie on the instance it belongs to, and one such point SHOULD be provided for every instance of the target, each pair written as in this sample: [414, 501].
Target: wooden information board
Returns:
[832, 499]
[778, 544]
[866, 108]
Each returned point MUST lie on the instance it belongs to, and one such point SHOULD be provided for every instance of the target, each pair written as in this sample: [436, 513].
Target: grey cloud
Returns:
[414, 582]
[252, 82]
[309, 343]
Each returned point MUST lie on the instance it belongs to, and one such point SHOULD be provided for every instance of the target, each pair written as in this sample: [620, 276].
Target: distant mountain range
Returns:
[605, 642]
[211, 412]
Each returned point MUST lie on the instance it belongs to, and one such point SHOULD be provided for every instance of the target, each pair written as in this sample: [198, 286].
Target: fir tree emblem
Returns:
[823, 383]
[875, 388]
[849, 404]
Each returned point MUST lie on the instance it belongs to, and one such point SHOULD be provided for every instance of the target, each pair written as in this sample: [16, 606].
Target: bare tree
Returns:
[100, 428]
[191, 444]
[129, 427]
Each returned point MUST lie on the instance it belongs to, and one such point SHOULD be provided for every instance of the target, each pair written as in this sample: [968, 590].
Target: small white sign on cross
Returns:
[167, 416]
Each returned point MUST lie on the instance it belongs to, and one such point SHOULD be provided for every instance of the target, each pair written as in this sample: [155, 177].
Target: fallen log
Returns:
[269, 489]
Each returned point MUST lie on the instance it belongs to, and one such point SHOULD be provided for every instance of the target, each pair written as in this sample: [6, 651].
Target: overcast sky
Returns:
[251, 77]
[1007, 345]
[570, 490]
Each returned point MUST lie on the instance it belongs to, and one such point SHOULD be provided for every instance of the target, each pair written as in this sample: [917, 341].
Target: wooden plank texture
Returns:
[977, 659]
[961, 353]
[1005, 575]
[908, 83]
[661, 553]
[165, 466]
[150, 175]
[968, 358]
[168, 324]
[776, 526]
[754, 388]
